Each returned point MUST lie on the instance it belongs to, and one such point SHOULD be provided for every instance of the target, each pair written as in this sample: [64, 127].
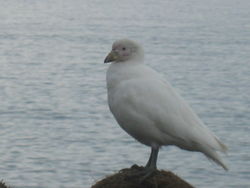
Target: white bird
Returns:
[150, 110]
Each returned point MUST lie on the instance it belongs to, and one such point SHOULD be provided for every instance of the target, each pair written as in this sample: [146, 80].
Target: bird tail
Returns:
[213, 155]
[211, 152]
[222, 147]
[210, 148]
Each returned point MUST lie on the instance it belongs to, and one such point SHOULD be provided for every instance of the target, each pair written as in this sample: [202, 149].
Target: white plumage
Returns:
[150, 110]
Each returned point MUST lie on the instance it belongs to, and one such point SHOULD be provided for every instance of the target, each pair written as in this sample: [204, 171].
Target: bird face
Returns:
[122, 50]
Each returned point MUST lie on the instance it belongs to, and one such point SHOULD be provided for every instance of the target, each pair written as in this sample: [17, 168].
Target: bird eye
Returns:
[123, 48]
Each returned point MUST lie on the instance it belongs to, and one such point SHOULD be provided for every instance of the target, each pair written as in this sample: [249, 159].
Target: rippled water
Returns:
[56, 129]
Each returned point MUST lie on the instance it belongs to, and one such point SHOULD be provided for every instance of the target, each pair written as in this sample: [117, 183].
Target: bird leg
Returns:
[150, 159]
[150, 167]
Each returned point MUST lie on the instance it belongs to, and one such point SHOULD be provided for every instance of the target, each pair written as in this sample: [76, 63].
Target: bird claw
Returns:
[149, 173]
[142, 174]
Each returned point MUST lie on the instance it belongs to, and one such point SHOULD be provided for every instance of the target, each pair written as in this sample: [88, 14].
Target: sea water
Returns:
[55, 126]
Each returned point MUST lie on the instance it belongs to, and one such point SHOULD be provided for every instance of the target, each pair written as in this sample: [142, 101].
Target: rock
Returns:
[3, 185]
[124, 179]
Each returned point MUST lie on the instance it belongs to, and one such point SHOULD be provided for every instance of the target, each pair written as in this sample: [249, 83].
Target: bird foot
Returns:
[142, 174]
[147, 174]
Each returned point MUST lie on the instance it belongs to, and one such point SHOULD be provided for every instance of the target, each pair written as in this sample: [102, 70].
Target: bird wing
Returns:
[152, 100]
[150, 110]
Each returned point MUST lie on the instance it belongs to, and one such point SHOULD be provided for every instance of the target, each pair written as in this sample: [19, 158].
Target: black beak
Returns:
[110, 57]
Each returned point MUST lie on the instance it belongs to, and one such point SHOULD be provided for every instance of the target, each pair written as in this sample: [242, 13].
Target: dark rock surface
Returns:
[124, 179]
[3, 185]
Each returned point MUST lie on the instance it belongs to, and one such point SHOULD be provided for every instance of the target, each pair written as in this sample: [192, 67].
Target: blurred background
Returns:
[55, 126]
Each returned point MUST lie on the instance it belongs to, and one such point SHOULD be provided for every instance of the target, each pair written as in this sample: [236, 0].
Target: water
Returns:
[56, 129]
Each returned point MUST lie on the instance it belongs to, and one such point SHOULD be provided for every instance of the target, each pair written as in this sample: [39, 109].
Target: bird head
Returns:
[125, 50]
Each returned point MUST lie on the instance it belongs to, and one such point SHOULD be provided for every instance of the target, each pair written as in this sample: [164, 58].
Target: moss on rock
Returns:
[123, 179]
[3, 185]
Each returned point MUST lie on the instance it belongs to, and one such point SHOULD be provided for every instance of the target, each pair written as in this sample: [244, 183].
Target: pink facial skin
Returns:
[121, 50]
